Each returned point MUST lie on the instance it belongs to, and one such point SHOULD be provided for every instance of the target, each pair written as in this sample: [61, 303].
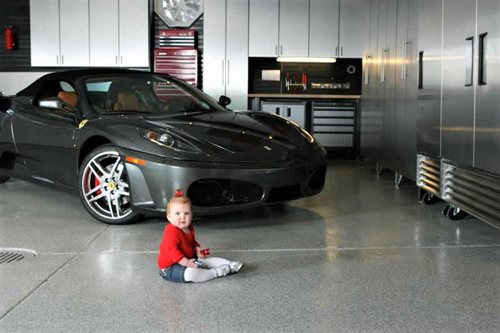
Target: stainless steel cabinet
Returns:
[405, 90]
[429, 17]
[295, 111]
[459, 19]
[119, 33]
[388, 122]
[59, 33]
[487, 124]
[370, 127]
[226, 50]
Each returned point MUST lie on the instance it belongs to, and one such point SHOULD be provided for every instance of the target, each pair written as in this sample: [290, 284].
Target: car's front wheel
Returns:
[104, 187]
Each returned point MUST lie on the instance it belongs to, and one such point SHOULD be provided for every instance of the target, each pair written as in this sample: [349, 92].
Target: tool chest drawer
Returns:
[334, 123]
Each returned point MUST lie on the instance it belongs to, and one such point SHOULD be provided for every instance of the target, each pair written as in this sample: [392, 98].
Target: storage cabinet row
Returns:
[333, 123]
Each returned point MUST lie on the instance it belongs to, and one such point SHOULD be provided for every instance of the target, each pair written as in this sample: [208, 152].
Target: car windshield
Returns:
[146, 93]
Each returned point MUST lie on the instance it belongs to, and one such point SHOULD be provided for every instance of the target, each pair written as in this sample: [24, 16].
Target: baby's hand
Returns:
[191, 263]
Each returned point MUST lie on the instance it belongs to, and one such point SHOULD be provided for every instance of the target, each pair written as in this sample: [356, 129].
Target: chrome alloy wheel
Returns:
[104, 186]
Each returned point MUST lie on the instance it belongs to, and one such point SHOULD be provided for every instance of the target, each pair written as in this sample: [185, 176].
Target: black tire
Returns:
[445, 210]
[429, 198]
[4, 179]
[455, 213]
[103, 187]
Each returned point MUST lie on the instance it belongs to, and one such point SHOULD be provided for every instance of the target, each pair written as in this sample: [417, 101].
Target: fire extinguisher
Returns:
[8, 35]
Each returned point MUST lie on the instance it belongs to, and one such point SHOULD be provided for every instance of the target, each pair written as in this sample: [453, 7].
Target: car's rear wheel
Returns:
[104, 187]
[3, 179]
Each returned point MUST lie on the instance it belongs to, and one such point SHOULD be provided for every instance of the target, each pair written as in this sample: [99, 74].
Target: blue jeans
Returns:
[174, 273]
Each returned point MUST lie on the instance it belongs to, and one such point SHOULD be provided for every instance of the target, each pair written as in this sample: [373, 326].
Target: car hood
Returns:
[239, 136]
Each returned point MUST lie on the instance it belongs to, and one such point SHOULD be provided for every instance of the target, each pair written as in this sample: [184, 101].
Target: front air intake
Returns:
[224, 192]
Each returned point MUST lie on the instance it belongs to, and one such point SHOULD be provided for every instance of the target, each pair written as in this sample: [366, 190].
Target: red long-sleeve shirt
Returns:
[175, 245]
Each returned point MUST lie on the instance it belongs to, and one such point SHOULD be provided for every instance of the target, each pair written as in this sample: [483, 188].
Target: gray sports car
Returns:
[126, 140]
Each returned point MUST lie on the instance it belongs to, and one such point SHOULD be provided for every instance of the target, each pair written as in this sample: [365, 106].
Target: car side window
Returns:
[62, 90]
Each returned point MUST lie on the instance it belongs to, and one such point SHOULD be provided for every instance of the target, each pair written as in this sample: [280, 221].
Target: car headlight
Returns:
[168, 140]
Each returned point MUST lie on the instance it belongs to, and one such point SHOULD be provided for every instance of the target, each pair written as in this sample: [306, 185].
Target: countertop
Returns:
[304, 96]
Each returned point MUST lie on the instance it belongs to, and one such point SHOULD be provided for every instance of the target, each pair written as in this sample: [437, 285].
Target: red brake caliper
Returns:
[97, 183]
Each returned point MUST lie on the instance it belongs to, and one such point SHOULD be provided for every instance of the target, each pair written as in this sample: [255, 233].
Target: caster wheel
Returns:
[445, 210]
[455, 213]
[429, 198]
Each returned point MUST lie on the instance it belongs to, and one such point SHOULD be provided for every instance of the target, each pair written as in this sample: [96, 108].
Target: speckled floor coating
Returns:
[360, 257]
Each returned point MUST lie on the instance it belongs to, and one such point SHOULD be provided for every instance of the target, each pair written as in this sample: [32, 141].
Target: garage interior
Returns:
[403, 238]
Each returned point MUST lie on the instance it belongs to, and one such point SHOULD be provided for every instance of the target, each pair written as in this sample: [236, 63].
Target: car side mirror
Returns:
[55, 103]
[51, 103]
[224, 101]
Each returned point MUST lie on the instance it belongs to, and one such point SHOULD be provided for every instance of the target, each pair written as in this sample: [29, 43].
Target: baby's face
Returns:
[180, 215]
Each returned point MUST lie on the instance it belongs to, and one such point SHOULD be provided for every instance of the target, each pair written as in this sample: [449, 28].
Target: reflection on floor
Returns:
[360, 257]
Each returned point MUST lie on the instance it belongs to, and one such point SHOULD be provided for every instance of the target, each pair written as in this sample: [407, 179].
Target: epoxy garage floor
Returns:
[360, 257]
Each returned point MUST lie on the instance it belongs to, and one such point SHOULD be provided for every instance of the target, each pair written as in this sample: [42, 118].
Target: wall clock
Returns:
[179, 13]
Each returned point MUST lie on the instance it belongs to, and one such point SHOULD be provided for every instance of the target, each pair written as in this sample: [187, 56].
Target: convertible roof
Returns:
[70, 75]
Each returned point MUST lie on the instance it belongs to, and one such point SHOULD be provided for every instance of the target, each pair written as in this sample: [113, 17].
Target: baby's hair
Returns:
[177, 198]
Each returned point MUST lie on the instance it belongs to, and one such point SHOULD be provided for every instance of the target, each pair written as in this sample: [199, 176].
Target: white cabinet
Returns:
[263, 28]
[314, 28]
[294, 28]
[59, 32]
[225, 58]
[295, 111]
[81, 33]
[324, 28]
[353, 28]
[338, 28]
[119, 33]
[104, 33]
[278, 28]
[134, 33]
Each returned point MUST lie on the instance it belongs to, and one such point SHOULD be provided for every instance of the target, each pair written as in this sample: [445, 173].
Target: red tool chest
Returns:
[177, 55]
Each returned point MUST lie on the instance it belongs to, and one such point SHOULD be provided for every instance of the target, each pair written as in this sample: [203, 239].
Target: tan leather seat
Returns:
[68, 97]
[127, 100]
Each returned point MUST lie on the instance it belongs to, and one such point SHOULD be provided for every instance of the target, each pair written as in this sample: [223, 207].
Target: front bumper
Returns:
[222, 187]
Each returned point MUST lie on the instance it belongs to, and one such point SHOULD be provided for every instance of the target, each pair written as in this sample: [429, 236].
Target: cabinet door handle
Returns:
[403, 59]
[57, 59]
[281, 50]
[277, 110]
[368, 67]
[469, 61]
[341, 51]
[222, 66]
[276, 49]
[116, 60]
[421, 70]
[62, 60]
[288, 112]
[481, 71]
[121, 60]
[384, 61]
[336, 51]
[228, 70]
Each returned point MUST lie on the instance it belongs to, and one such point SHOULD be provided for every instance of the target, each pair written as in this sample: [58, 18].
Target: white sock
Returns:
[235, 266]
